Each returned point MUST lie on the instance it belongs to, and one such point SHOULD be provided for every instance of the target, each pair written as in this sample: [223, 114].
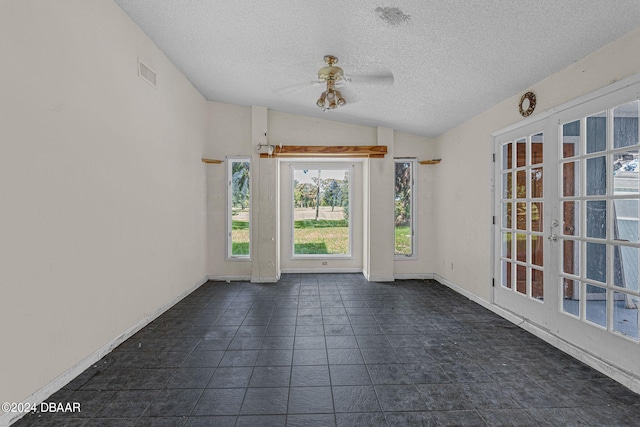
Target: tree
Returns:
[332, 195]
[240, 181]
[403, 193]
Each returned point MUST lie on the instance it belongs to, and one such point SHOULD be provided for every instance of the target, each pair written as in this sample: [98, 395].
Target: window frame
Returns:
[321, 166]
[414, 210]
[230, 160]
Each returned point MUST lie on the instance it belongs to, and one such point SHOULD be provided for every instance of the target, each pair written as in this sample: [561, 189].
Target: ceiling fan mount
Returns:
[330, 72]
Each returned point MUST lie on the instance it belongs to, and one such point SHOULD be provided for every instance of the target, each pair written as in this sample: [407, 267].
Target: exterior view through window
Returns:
[321, 223]
[239, 198]
[404, 207]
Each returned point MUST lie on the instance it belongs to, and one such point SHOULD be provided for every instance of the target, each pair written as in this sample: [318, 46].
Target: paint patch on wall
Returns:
[392, 15]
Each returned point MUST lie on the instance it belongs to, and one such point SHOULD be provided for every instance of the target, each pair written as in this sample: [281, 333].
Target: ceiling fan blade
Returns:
[384, 78]
[286, 90]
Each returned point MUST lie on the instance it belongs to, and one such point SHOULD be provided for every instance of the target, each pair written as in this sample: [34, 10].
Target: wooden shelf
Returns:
[430, 162]
[211, 161]
[367, 151]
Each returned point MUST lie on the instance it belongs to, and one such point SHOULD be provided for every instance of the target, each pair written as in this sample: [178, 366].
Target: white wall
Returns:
[462, 182]
[102, 191]
[228, 134]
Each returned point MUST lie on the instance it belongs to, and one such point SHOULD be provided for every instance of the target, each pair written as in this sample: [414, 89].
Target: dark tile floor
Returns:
[333, 349]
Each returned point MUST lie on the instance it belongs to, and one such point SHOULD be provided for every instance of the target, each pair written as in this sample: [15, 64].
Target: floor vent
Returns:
[146, 73]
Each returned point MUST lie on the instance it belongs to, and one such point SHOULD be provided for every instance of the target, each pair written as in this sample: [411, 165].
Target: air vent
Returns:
[146, 73]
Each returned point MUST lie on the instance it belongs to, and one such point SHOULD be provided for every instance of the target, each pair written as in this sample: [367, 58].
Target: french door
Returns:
[567, 225]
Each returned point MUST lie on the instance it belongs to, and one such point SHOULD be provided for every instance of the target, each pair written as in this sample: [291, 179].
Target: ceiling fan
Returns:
[334, 77]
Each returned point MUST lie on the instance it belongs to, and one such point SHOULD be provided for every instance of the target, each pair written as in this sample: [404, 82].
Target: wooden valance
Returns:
[367, 151]
[430, 162]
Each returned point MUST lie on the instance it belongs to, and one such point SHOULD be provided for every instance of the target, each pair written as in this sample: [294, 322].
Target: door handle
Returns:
[553, 238]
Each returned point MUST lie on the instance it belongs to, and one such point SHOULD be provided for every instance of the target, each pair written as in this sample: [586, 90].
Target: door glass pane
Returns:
[596, 305]
[571, 257]
[536, 149]
[626, 220]
[321, 212]
[596, 261]
[537, 285]
[521, 152]
[507, 215]
[506, 245]
[521, 215]
[521, 279]
[625, 172]
[625, 125]
[570, 220]
[506, 274]
[536, 183]
[597, 176]
[521, 184]
[537, 243]
[507, 156]
[521, 247]
[625, 314]
[571, 297]
[571, 179]
[597, 219]
[571, 139]
[536, 216]
[507, 192]
[625, 267]
[597, 132]
[403, 208]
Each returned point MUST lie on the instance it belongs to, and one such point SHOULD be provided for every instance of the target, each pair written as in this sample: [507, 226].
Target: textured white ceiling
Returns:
[451, 59]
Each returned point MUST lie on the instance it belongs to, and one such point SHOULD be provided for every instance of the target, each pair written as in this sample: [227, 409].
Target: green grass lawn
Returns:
[403, 240]
[321, 237]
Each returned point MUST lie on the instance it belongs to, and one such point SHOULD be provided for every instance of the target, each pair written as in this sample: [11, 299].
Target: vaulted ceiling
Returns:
[450, 59]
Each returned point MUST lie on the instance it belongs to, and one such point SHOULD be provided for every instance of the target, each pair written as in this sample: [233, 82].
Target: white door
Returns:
[567, 225]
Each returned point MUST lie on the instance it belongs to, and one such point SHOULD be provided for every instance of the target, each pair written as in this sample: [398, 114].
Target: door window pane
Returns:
[625, 267]
[596, 261]
[570, 220]
[536, 183]
[625, 172]
[536, 149]
[507, 156]
[625, 125]
[404, 207]
[521, 184]
[571, 257]
[596, 176]
[507, 214]
[521, 279]
[521, 152]
[571, 297]
[537, 284]
[239, 195]
[625, 314]
[597, 219]
[597, 132]
[571, 139]
[521, 216]
[596, 311]
[506, 185]
[536, 216]
[537, 244]
[570, 179]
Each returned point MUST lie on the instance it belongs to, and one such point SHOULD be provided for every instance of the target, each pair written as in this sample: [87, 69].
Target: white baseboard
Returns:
[413, 276]
[41, 395]
[620, 375]
[321, 270]
[230, 278]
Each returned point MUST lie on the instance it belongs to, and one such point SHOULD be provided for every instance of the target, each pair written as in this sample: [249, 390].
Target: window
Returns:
[404, 207]
[321, 221]
[239, 208]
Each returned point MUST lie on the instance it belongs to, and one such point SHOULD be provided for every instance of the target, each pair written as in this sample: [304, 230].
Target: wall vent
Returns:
[146, 73]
